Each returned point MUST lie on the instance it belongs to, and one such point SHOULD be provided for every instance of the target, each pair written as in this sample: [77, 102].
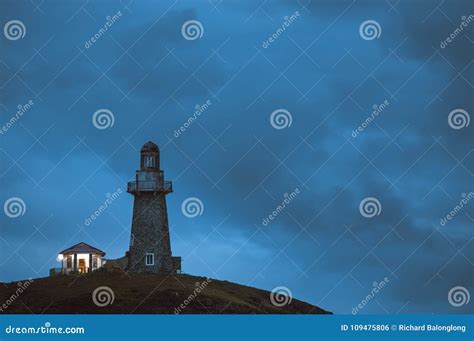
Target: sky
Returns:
[279, 111]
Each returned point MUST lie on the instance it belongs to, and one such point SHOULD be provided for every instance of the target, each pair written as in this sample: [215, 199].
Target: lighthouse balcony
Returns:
[149, 186]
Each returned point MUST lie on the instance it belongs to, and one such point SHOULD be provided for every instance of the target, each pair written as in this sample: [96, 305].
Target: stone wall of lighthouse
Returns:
[150, 249]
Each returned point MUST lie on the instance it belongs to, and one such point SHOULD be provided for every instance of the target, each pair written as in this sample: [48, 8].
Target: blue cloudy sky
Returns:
[322, 70]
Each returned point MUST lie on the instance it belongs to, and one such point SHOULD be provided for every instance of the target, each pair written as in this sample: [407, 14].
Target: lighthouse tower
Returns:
[150, 249]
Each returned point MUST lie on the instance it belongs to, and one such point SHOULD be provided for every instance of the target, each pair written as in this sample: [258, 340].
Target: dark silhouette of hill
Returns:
[140, 293]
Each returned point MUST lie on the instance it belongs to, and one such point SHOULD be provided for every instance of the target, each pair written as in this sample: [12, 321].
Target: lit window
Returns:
[150, 259]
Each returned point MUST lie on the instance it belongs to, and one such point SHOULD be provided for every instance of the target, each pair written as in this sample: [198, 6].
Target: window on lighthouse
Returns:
[150, 259]
[149, 161]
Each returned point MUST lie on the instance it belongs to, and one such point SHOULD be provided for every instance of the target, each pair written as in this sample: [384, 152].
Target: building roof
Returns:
[82, 248]
[149, 146]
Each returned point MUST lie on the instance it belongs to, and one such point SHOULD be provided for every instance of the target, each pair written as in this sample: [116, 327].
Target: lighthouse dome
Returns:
[149, 147]
[150, 157]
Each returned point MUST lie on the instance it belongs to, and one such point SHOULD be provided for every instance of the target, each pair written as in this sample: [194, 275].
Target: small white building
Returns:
[81, 258]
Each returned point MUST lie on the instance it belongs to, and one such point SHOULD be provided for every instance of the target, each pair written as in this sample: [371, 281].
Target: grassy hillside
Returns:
[141, 294]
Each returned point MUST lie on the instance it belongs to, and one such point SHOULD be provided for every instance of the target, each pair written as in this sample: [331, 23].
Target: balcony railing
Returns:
[66, 271]
[149, 186]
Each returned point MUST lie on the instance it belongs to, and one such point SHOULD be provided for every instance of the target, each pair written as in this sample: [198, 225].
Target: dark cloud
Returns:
[409, 158]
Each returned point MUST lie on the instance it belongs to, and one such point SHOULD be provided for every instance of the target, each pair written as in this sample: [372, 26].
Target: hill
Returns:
[138, 293]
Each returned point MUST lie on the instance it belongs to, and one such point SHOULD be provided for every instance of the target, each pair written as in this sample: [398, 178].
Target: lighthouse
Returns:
[150, 249]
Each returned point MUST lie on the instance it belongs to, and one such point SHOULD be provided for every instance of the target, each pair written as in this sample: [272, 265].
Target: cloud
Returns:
[231, 157]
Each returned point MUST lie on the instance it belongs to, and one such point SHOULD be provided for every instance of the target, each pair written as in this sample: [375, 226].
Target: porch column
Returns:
[90, 262]
[75, 262]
